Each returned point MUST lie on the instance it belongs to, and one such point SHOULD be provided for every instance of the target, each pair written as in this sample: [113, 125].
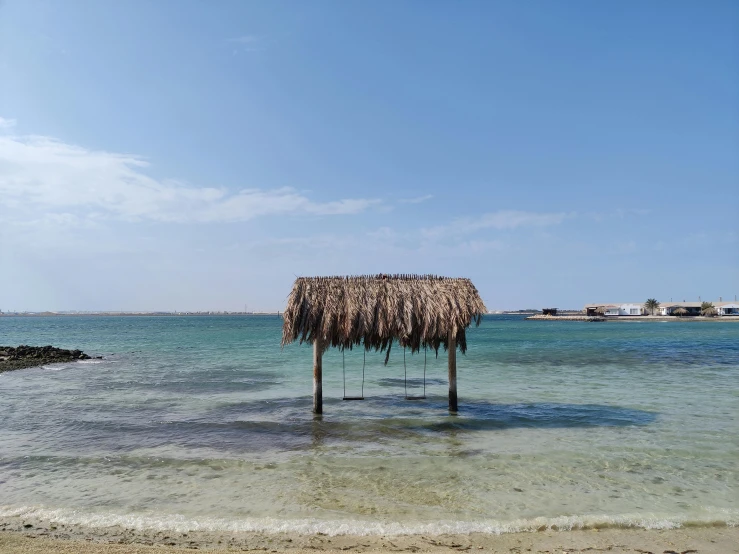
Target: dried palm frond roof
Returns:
[374, 310]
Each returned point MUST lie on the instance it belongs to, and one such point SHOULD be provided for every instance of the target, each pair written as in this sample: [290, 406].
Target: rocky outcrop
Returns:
[31, 356]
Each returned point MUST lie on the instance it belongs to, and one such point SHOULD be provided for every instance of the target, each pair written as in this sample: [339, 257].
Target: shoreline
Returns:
[585, 318]
[664, 318]
[529, 316]
[642, 318]
[703, 540]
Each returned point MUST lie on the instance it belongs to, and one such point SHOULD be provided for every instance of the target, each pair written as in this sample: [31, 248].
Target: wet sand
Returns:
[690, 540]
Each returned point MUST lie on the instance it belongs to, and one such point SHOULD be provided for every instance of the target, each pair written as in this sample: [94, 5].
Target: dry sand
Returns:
[691, 540]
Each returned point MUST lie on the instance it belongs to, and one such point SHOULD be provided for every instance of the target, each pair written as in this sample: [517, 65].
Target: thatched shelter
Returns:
[417, 311]
[596, 309]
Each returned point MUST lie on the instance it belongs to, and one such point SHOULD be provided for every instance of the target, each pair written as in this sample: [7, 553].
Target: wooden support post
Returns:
[317, 377]
[452, 350]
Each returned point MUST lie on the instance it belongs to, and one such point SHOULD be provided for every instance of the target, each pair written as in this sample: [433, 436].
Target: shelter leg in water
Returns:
[317, 377]
[452, 350]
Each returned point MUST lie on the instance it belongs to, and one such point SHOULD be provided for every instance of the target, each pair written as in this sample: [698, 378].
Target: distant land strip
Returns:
[73, 314]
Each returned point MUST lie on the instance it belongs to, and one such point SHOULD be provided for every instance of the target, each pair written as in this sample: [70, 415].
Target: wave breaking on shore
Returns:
[26, 517]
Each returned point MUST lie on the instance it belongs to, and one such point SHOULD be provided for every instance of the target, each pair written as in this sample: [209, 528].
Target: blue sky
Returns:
[196, 155]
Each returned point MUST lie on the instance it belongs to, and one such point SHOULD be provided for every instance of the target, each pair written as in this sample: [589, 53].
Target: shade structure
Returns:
[417, 311]
[373, 311]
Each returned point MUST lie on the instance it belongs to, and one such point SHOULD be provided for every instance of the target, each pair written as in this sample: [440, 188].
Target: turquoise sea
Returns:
[205, 423]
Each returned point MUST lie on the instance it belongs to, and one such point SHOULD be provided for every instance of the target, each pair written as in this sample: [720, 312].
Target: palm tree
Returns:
[650, 305]
[708, 309]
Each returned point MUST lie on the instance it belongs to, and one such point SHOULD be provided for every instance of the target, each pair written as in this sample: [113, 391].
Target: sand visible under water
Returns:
[203, 424]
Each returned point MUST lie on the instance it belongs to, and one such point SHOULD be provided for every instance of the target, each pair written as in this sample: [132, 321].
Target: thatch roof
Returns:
[417, 311]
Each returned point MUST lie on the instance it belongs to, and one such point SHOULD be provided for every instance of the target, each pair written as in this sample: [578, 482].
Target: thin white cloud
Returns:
[48, 176]
[247, 43]
[618, 214]
[476, 246]
[625, 247]
[416, 200]
[7, 123]
[383, 234]
[246, 39]
[503, 219]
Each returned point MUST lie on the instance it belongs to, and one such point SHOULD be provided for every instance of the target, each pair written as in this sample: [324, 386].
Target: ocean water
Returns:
[205, 423]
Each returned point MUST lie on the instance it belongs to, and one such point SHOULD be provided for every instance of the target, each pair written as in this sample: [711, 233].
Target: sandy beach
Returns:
[698, 540]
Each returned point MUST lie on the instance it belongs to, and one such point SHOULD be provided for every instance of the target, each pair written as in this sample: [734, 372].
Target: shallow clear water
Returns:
[204, 422]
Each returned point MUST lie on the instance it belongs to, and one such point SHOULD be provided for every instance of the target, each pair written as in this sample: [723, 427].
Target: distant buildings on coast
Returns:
[636, 309]
[664, 308]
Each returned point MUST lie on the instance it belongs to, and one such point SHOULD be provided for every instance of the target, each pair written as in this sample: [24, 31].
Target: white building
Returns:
[620, 308]
[727, 308]
[666, 308]
[630, 309]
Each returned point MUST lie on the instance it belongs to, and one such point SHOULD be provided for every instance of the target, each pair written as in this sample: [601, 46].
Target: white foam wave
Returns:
[180, 523]
[66, 365]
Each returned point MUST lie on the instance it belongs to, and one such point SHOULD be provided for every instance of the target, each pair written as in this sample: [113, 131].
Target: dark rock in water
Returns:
[32, 356]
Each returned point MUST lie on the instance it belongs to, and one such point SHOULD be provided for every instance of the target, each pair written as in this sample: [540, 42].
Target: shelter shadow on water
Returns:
[281, 424]
[484, 415]
[398, 382]
[286, 417]
[424, 421]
